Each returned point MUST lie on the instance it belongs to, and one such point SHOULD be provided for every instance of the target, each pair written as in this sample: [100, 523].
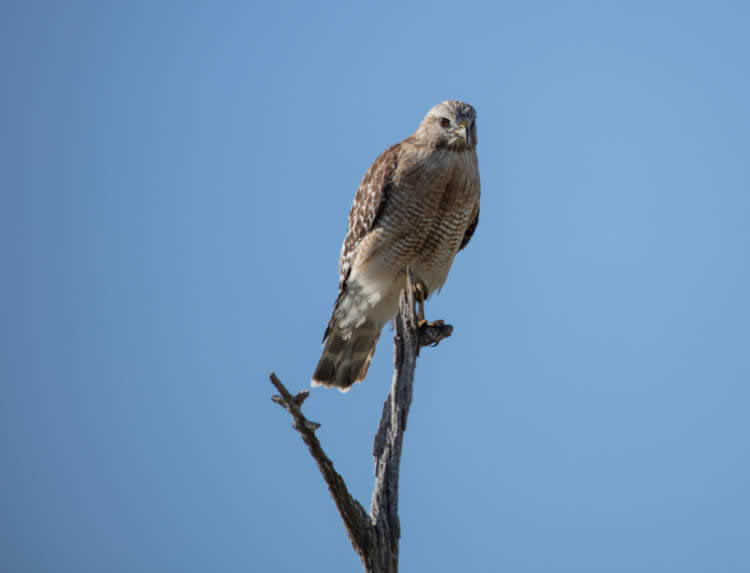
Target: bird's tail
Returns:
[346, 355]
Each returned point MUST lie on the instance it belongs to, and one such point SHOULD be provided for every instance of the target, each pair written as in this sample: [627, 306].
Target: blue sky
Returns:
[176, 179]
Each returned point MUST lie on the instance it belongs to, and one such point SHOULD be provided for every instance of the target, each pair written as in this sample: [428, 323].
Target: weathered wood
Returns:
[375, 536]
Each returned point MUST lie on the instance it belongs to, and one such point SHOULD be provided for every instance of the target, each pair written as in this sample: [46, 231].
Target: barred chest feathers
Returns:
[448, 191]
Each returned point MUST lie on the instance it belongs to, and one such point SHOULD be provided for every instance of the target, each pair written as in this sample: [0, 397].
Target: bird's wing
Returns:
[470, 230]
[369, 202]
[367, 207]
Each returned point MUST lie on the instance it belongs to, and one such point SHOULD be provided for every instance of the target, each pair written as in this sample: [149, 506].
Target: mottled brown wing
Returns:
[368, 204]
[470, 230]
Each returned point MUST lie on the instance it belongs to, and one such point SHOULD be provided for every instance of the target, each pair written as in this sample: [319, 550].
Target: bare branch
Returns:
[375, 537]
[356, 520]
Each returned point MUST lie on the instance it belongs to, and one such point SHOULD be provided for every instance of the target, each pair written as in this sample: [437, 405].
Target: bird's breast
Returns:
[448, 196]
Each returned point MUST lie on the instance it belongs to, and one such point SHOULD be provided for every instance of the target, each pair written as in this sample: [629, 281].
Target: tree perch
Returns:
[375, 536]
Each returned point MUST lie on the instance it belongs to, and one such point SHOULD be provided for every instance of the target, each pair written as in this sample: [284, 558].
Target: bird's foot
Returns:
[430, 333]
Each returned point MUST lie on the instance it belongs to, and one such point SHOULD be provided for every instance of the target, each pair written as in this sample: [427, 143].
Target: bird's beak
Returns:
[463, 131]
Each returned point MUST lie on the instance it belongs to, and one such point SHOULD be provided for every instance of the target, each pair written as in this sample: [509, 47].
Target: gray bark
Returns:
[375, 535]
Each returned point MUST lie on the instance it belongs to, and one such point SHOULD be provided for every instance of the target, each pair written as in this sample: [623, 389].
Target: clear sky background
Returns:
[175, 184]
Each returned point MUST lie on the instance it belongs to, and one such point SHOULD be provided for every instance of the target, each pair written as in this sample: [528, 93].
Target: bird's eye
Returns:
[445, 122]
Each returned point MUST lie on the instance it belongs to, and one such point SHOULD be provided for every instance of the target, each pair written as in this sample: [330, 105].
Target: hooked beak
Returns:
[463, 131]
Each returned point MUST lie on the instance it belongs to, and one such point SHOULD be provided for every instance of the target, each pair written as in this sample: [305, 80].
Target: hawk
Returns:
[417, 206]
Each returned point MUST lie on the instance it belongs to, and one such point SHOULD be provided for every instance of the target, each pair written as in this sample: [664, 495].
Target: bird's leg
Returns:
[420, 294]
[429, 333]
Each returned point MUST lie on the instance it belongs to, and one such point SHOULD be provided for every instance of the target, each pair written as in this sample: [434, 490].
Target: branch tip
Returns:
[431, 334]
[301, 397]
[312, 426]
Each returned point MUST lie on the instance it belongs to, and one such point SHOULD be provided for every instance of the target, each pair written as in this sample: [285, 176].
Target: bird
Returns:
[416, 206]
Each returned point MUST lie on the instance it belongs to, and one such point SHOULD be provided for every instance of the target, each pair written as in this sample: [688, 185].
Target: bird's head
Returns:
[450, 124]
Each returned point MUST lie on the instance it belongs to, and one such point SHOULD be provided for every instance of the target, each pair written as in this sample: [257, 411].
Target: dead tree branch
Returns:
[375, 536]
